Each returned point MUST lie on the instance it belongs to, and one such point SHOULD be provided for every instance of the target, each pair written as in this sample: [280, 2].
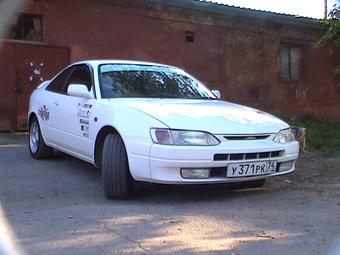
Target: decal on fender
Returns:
[44, 113]
[85, 122]
[84, 113]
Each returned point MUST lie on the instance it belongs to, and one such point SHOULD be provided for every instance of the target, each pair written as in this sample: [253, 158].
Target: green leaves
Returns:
[320, 135]
[332, 35]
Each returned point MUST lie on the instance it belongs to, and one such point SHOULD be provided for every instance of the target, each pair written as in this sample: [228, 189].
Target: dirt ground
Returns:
[57, 206]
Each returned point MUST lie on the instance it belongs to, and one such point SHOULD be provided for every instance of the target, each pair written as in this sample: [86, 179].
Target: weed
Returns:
[319, 135]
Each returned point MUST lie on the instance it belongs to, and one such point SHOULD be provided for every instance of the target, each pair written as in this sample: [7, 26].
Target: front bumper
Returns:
[166, 162]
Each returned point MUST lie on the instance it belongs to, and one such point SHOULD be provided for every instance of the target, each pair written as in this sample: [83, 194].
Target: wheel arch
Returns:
[31, 117]
[98, 149]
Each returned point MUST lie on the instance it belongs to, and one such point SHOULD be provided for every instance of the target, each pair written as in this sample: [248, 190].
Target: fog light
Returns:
[195, 173]
[285, 166]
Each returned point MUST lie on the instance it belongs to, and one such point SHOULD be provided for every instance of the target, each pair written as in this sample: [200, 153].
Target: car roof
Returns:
[97, 62]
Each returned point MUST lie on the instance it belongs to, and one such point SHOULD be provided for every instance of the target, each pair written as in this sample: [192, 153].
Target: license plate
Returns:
[251, 168]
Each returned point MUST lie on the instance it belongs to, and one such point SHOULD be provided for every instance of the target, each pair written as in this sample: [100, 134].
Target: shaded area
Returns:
[57, 207]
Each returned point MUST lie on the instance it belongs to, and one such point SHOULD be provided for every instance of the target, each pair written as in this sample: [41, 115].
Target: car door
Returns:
[49, 106]
[73, 115]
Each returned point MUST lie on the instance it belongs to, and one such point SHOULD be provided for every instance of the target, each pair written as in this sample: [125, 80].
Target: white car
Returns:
[139, 121]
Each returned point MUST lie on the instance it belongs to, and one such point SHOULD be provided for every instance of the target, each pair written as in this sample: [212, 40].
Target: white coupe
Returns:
[139, 121]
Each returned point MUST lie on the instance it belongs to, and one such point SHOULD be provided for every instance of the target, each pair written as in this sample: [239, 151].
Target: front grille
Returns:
[247, 156]
[246, 137]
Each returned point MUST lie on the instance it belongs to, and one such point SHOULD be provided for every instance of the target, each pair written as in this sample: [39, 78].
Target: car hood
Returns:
[216, 117]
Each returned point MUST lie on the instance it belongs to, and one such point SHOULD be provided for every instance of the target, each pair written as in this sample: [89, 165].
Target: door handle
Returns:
[56, 103]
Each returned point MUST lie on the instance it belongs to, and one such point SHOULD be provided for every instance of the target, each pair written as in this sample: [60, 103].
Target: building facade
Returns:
[261, 59]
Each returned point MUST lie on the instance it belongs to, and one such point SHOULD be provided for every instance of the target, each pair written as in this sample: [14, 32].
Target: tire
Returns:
[36, 144]
[116, 178]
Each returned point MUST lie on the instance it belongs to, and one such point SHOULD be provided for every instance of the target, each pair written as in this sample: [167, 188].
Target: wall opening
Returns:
[29, 27]
[189, 36]
[290, 60]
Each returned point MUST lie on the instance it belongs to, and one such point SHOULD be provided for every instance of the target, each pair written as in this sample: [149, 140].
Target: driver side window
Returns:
[80, 75]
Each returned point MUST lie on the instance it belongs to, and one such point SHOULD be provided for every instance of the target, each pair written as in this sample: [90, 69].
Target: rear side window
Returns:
[58, 83]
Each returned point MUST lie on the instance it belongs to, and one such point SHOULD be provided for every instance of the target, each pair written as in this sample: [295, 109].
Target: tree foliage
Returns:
[332, 35]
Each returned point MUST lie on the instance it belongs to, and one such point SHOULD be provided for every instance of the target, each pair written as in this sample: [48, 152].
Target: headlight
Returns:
[182, 137]
[284, 136]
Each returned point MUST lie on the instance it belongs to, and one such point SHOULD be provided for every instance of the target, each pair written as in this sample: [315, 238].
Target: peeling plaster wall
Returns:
[231, 52]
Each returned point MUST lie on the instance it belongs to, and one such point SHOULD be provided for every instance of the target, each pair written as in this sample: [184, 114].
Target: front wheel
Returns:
[36, 144]
[116, 178]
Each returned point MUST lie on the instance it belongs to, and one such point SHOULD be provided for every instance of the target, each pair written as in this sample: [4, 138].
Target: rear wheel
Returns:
[116, 178]
[36, 144]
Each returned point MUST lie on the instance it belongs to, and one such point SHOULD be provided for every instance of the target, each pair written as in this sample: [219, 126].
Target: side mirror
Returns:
[79, 90]
[217, 93]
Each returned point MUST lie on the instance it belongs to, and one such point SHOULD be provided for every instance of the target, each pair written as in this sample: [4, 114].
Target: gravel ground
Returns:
[57, 206]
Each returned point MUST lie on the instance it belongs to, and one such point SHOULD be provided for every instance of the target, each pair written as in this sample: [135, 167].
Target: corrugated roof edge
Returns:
[256, 10]
[221, 8]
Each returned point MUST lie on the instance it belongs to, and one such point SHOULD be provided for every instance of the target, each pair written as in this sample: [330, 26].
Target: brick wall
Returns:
[233, 50]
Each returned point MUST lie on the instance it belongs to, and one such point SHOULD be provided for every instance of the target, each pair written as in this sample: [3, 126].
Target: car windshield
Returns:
[144, 81]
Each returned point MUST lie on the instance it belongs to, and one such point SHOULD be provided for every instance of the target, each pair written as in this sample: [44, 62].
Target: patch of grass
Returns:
[319, 135]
